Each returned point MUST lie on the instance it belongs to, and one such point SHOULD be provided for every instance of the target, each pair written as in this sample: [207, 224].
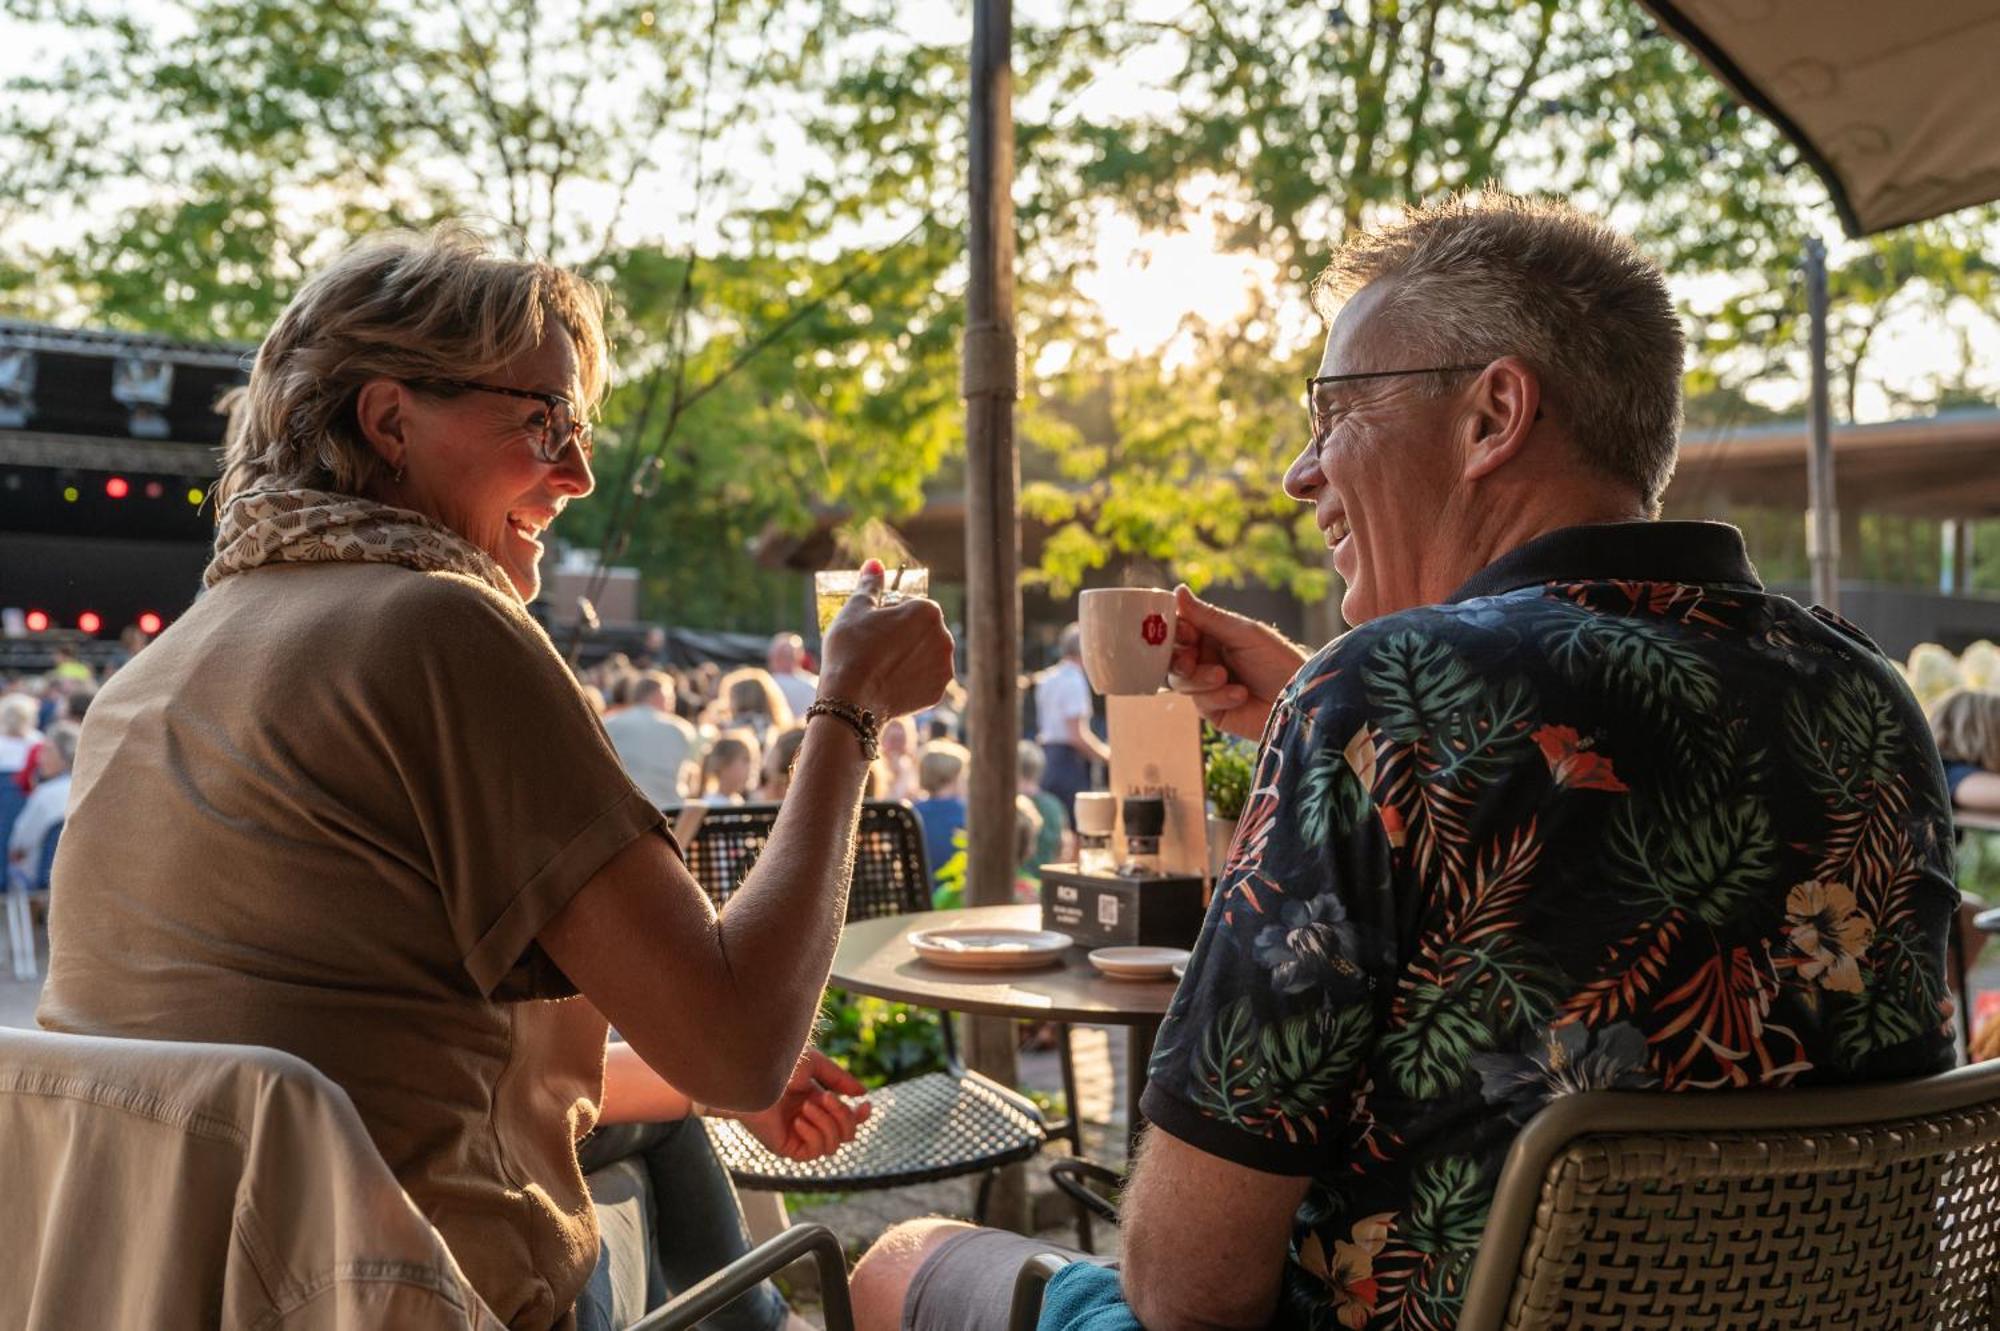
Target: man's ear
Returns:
[1506, 403]
[381, 410]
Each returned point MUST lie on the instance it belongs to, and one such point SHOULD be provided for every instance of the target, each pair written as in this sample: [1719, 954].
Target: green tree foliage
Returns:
[184, 165]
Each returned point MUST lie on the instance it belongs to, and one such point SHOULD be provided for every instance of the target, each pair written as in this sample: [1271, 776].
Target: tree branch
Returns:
[1412, 147]
[1503, 125]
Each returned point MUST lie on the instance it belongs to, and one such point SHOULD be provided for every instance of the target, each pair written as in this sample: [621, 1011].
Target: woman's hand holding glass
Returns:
[891, 659]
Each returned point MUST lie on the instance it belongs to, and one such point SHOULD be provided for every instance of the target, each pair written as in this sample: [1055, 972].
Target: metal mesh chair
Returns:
[948, 1124]
[1875, 1206]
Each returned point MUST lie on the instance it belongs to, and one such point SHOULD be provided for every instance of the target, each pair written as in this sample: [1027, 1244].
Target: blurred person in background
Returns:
[899, 759]
[18, 740]
[69, 669]
[661, 752]
[45, 809]
[1052, 832]
[328, 721]
[130, 643]
[752, 702]
[941, 778]
[783, 660]
[1028, 828]
[731, 768]
[779, 755]
[1966, 725]
[1063, 709]
[947, 719]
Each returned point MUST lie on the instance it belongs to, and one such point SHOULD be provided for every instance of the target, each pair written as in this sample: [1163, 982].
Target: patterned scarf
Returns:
[320, 526]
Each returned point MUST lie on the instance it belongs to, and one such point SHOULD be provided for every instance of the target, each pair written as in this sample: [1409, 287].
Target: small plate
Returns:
[1180, 969]
[991, 949]
[1139, 963]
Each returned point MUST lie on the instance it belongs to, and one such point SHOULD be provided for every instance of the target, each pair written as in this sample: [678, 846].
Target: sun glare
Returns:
[1147, 283]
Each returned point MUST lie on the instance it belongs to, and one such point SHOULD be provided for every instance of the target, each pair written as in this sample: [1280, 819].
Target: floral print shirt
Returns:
[1612, 816]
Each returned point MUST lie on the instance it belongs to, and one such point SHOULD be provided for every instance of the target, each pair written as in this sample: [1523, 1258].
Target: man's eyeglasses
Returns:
[1321, 405]
[559, 429]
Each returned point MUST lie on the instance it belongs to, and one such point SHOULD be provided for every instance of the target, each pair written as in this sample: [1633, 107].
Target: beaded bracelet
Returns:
[858, 719]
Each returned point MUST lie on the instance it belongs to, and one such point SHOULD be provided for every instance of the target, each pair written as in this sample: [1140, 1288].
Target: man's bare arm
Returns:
[1203, 1240]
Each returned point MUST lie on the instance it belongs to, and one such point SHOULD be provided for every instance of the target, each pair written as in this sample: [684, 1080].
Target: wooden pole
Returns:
[1823, 512]
[992, 527]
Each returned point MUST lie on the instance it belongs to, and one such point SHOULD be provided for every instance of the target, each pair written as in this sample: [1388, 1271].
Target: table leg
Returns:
[1138, 1052]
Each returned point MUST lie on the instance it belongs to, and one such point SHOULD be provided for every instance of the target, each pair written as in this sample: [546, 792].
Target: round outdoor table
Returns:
[875, 958]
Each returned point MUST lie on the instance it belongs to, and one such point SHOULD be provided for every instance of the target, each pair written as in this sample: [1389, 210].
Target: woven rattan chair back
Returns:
[890, 874]
[1866, 1207]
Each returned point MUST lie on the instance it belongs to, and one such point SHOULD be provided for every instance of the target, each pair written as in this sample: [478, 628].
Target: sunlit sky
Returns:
[1148, 283]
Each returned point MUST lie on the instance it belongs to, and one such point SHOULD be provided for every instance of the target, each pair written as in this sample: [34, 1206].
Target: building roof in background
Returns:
[1943, 466]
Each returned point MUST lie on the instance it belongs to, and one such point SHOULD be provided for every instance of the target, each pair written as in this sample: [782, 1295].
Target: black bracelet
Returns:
[858, 719]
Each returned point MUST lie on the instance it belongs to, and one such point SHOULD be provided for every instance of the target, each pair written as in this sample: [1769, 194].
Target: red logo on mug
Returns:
[1154, 629]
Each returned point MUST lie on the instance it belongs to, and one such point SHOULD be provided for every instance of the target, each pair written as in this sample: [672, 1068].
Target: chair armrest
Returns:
[765, 1260]
[1026, 1309]
[1073, 1176]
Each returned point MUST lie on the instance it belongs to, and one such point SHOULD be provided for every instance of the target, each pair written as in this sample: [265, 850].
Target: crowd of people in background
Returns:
[703, 733]
[41, 717]
[684, 733]
[731, 736]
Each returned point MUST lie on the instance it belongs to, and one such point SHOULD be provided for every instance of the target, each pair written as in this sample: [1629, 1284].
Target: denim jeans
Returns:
[691, 1225]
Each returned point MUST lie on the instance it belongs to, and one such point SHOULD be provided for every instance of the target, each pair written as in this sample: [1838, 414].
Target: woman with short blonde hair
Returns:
[1966, 725]
[384, 830]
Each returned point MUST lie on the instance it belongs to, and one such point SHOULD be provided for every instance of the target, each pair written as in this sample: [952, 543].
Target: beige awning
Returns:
[1893, 104]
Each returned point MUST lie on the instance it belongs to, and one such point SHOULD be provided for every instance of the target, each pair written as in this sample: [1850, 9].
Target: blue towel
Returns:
[1084, 1296]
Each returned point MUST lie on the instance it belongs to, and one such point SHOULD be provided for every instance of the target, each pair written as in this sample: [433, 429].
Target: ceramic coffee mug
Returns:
[1128, 638]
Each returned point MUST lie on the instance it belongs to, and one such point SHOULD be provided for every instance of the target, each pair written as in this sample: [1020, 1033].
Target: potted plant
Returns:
[1226, 781]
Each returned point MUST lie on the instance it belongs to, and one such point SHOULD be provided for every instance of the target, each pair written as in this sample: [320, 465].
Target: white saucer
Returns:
[991, 949]
[1139, 963]
[1180, 969]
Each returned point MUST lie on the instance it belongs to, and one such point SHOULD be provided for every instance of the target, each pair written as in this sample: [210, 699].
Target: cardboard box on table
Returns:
[1155, 750]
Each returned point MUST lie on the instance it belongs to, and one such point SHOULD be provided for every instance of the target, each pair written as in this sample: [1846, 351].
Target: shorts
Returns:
[968, 1285]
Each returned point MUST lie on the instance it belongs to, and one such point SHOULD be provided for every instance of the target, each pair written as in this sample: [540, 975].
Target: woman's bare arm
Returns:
[721, 1005]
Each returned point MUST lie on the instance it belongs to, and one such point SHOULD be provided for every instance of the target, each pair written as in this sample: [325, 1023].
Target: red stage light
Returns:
[154, 489]
[118, 487]
[89, 621]
[38, 621]
[149, 623]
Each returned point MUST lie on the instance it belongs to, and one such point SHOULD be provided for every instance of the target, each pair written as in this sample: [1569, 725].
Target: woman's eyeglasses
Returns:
[560, 427]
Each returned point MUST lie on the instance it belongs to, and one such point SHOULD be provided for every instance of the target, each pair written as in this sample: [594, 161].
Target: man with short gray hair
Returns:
[1576, 805]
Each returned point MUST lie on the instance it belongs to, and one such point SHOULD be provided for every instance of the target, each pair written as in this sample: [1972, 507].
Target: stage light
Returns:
[71, 494]
[149, 623]
[118, 487]
[89, 621]
[154, 489]
[195, 495]
[38, 621]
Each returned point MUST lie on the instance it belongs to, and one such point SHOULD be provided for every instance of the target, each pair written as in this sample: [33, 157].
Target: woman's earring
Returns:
[398, 477]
